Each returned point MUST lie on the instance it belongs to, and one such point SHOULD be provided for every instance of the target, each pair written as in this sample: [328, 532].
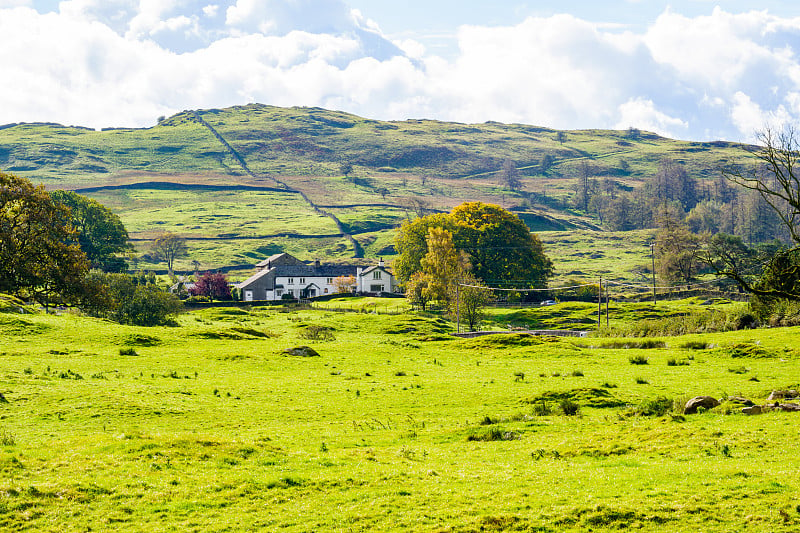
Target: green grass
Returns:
[211, 427]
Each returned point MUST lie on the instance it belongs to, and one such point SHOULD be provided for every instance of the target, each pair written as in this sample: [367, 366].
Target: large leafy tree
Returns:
[39, 258]
[499, 246]
[100, 233]
[411, 243]
[169, 247]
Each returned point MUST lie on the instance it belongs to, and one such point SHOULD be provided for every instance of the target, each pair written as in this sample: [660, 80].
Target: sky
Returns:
[686, 69]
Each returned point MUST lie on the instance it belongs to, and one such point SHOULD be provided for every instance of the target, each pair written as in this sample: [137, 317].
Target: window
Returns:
[376, 274]
[326, 290]
[329, 282]
[291, 281]
[376, 288]
[302, 280]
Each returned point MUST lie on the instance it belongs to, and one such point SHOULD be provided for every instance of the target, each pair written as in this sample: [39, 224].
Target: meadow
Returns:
[210, 425]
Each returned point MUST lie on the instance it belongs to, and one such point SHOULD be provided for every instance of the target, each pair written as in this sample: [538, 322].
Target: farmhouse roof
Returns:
[318, 271]
[375, 267]
[279, 259]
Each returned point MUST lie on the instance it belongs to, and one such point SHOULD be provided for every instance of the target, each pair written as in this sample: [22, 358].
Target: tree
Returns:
[344, 284]
[499, 246]
[417, 290]
[168, 247]
[100, 233]
[443, 265]
[677, 250]
[411, 243]
[547, 163]
[509, 175]
[471, 300]
[212, 285]
[776, 180]
[346, 168]
[38, 255]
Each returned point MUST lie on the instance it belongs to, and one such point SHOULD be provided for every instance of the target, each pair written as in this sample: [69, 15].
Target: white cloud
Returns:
[125, 62]
[211, 10]
[643, 114]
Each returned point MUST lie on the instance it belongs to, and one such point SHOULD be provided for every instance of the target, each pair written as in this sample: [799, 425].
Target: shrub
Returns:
[658, 406]
[127, 351]
[132, 300]
[541, 408]
[317, 333]
[637, 360]
[568, 407]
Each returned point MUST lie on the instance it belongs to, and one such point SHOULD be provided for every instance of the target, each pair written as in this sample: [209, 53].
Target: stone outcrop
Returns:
[706, 402]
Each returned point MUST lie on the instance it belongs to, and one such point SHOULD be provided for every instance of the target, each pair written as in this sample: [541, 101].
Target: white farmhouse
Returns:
[282, 274]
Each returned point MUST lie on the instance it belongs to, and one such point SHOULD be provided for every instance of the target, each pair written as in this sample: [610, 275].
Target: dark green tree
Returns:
[500, 246]
[38, 255]
[100, 233]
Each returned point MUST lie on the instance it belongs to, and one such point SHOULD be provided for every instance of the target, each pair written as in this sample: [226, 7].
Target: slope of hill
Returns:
[241, 181]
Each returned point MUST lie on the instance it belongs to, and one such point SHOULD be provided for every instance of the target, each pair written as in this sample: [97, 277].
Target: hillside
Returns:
[242, 182]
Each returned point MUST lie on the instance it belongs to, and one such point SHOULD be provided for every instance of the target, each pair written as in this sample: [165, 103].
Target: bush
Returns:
[132, 300]
[568, 407]
[317, 333]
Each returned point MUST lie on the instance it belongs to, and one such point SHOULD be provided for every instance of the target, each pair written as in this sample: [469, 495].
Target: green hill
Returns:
[244, 181]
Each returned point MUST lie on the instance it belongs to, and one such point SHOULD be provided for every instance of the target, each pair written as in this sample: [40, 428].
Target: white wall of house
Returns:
[376, 280]
[295, 285]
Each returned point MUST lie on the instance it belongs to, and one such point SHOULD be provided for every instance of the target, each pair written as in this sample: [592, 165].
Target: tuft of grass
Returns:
[658, 406]
[7, 438]
[638, 360]
[127, 351]
[493, 434]
[672, 361]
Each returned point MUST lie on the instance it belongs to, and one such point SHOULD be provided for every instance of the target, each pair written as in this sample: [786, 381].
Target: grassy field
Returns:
[210, 426]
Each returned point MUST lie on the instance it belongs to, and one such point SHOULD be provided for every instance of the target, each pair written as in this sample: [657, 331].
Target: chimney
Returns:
[380, 262]
[316, 263]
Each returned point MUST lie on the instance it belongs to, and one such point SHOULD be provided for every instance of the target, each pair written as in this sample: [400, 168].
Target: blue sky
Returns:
[690, 69]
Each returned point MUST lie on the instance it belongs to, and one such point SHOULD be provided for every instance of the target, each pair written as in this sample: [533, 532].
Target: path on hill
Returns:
[358, 251]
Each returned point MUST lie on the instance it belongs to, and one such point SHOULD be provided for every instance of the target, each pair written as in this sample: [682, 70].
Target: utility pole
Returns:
[600, 303]
[653, 258]
[458, 308]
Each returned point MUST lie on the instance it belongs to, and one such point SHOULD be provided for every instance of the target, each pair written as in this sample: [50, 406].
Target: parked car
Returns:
[548, 302]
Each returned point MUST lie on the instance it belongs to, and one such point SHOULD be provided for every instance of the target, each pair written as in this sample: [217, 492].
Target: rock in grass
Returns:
[706, 402]
[782, 394]
[752, 410]
[302, 351]
[740, 400]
